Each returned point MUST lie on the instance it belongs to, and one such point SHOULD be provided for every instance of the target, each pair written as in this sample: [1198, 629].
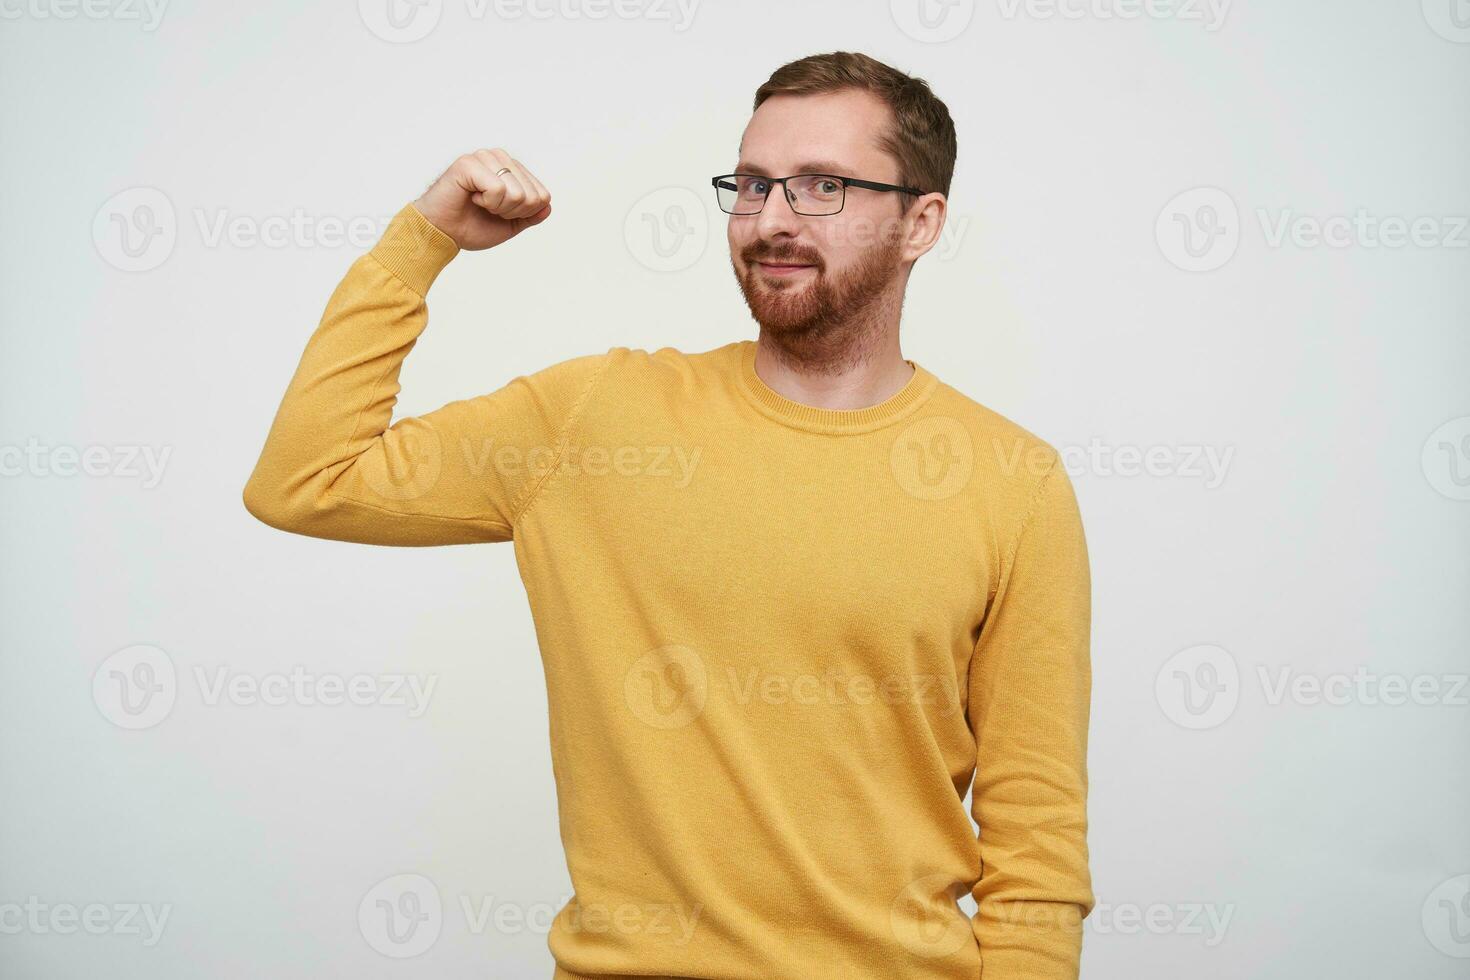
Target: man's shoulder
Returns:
[631, 361]
[667, 364]
[1006, 456]
[628, 382]
[674, 358]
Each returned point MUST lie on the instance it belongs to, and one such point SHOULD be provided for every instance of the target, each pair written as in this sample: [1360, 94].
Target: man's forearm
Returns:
[340, 400]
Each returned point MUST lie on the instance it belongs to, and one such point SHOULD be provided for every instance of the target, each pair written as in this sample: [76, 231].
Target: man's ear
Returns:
[926, 224]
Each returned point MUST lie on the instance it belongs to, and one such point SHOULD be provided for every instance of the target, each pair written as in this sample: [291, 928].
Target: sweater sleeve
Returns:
[1030, 688]
[333, 467]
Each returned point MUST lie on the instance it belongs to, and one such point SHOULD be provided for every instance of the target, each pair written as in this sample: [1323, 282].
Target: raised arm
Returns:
[332, 467]
[1030, 692]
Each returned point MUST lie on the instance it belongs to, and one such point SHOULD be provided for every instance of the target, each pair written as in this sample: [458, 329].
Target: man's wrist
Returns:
[414, 250]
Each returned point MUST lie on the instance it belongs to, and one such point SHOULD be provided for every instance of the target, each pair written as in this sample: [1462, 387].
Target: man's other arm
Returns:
[1029, 703]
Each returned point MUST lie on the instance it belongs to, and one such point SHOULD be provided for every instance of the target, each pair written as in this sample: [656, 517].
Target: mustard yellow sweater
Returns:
[779, 641]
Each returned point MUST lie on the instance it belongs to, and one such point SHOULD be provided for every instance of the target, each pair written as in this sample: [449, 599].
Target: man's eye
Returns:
[828, 187]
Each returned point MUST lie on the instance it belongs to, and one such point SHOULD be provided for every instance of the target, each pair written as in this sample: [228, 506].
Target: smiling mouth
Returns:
[781, 268]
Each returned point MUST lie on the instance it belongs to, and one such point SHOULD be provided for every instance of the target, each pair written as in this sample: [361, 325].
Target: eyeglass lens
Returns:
[809, 193]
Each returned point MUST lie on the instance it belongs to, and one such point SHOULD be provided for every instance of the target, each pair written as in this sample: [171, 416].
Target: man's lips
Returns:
[783, 268]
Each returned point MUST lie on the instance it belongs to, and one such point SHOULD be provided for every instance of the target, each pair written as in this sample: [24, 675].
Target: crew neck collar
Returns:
[777, 406]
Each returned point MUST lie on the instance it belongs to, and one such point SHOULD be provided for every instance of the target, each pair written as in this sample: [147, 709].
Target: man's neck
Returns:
[858, 376]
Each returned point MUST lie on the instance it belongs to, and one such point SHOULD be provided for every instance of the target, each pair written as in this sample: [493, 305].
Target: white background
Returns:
[1273, 836]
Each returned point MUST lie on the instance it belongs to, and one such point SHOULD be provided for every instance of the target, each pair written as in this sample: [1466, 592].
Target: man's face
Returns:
[812, 274]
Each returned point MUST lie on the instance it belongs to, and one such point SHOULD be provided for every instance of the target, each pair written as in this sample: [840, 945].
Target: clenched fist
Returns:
[479, 208]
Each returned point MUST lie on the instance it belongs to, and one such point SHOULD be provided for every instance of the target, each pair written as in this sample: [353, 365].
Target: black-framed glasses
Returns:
[811, 194]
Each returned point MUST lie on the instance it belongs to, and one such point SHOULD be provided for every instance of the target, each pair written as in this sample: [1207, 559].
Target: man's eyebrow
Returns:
[809, 167]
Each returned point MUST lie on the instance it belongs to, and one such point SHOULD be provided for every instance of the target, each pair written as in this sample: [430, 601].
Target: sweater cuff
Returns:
[414, 250]
[1034, 940]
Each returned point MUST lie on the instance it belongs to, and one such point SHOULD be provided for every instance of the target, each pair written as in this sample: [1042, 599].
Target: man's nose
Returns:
[777, 216]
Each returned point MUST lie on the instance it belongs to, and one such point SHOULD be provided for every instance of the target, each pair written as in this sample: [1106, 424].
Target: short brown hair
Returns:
[922, 138]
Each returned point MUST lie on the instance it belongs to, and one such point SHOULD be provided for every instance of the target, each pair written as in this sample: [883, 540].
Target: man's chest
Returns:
[818, 540]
